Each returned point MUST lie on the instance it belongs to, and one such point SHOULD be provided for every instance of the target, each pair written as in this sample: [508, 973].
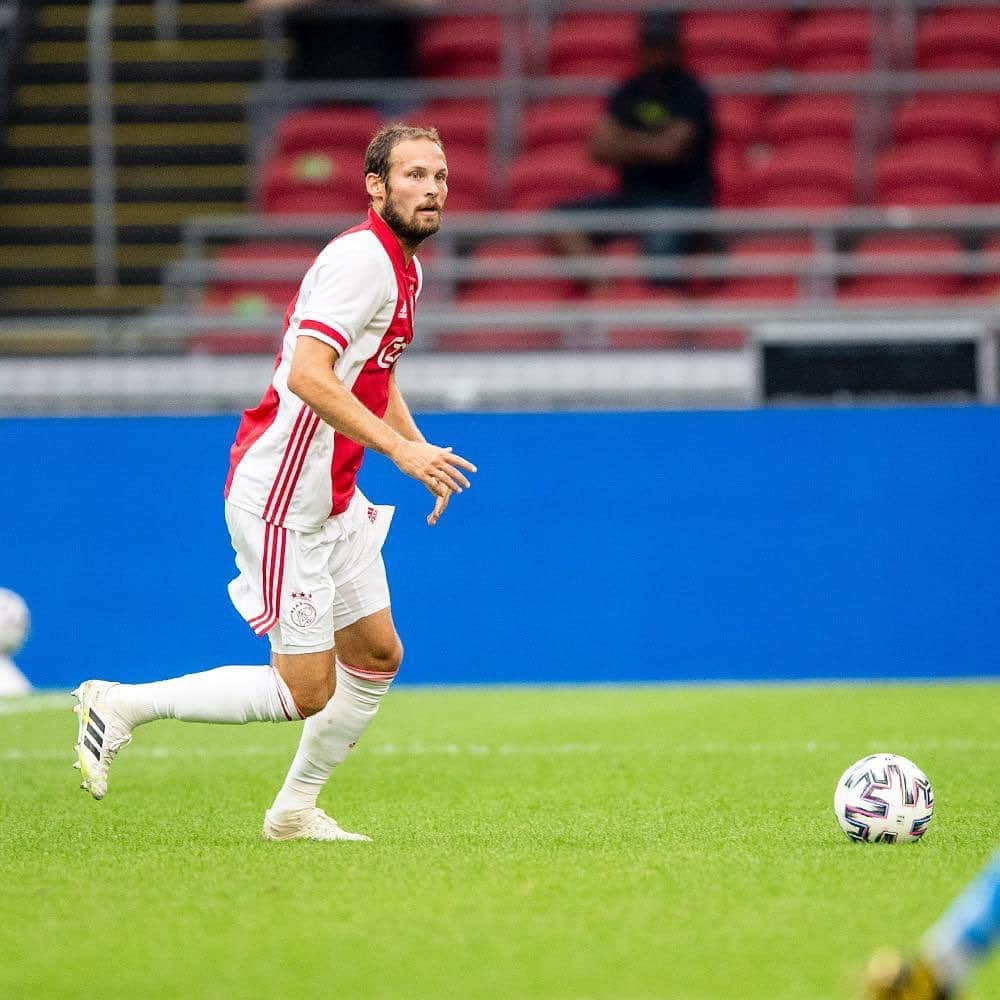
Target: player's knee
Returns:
[312, 695]
[384, 657]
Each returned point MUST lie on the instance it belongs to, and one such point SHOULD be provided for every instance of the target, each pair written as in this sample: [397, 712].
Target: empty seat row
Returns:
[715, 43]
[811, 173]
[741, 119]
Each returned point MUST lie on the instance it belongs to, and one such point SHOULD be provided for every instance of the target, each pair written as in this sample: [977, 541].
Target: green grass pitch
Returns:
[579, 843]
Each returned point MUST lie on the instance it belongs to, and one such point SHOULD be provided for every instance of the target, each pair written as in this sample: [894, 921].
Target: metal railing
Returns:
[818, 271]
[100, 29]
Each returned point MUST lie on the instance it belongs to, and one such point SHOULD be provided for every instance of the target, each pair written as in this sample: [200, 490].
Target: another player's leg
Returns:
[368, 657]
[958, 942]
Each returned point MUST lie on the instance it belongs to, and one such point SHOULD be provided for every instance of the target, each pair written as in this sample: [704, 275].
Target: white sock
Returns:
[330, 735]
[226, 694]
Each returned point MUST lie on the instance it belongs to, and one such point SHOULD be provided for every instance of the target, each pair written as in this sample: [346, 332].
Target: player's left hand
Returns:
[440, 503]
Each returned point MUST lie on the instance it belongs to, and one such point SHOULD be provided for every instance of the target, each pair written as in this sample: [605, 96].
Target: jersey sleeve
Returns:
[348, 290]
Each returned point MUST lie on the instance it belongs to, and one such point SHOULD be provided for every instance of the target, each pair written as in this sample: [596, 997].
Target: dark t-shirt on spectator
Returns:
[649, 103]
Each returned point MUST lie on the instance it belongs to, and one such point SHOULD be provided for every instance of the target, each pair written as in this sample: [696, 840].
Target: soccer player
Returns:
[951, 949]
[308, 542]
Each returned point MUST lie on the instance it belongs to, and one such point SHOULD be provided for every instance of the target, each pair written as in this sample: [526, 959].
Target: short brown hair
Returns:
[386, 139]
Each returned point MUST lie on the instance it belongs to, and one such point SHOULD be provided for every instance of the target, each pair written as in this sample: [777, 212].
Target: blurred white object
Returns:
[14, 624]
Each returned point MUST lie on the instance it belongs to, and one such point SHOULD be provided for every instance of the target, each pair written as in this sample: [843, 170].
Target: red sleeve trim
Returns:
[328, 331]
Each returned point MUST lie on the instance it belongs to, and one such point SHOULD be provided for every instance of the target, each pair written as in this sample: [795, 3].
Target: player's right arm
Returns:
[313, 380]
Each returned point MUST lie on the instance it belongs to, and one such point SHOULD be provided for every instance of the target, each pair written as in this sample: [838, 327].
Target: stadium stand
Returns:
[179, 137]
[821, 114]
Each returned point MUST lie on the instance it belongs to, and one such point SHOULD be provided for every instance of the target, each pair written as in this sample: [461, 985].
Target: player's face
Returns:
[417, 189]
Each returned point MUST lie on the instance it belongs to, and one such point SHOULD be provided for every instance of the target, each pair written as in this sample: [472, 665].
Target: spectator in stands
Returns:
[658, 131]
[332, 41]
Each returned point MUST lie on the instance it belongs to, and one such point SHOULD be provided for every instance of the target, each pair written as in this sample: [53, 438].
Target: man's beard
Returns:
[414, 232]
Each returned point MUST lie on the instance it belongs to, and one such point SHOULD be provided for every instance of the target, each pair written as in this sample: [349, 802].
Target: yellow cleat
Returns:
[890, 976]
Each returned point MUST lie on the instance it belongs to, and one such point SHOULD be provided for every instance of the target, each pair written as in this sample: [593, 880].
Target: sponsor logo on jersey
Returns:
[372, 514]
[404, 312]
[390, 352]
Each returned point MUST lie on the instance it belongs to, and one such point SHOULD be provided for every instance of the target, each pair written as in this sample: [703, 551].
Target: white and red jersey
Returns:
[287, 465]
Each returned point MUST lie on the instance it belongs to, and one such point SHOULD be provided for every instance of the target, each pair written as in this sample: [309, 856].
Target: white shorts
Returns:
[298, 588]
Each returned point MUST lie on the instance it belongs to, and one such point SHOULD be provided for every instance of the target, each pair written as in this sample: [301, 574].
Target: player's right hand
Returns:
[439, 469]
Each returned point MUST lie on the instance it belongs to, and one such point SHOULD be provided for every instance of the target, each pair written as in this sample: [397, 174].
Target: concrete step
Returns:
[76, 299]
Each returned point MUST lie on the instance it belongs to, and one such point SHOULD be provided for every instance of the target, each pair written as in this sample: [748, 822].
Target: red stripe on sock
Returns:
[368, 675]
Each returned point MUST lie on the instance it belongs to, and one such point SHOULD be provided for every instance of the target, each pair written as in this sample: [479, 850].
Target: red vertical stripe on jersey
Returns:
[284, 499]
[290, 445]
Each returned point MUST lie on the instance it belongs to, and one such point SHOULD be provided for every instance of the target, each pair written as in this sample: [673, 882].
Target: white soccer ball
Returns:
[14, 622]
[884, 798]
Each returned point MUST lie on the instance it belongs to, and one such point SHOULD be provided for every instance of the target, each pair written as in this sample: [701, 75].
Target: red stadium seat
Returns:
[602, 45]
[499, 341]
[460, 46]
[809, 174]
[314, 183]
[326, 129]
[812, 116]
[513, 291]
[767, 288]
[246, 301]
[650, 335]
[560, 121]
[547, 177]
[468, 179]
[831, 42]
[729, 165]
[931, 172]
[959, 39]
[460, 123]
[516, 289]
[250, 298]
[972, 117]
[738, 118]
[903, 284]
[723, 43]
[987, 286]
[303, 253]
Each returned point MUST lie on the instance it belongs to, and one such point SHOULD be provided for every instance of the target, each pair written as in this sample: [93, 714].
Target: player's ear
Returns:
[375, 186]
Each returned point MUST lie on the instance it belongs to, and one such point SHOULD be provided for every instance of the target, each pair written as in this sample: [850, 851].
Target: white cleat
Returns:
[305, 824]
[102, 733]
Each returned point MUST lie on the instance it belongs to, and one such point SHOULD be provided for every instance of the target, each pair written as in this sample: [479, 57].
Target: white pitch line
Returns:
[34, 703]
[533, 749]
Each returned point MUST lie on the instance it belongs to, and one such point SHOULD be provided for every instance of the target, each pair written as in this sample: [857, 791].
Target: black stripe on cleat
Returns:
[97, 737]
[90, 746]
[94, 717]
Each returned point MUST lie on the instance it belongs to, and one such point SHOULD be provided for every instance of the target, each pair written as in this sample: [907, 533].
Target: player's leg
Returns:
[961, 939]
[970, 928]
[368, 656]
[274, 563]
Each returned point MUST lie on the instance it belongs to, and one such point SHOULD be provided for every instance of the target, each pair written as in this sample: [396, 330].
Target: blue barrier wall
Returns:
[675, 546]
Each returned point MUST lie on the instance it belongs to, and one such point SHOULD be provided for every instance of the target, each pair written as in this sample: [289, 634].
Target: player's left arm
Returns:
[399, 418]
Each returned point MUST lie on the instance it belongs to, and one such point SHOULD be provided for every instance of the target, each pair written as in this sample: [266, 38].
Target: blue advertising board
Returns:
[759, 545]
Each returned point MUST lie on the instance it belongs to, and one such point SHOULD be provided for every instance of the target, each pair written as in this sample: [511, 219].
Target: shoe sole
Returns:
[277, 838]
